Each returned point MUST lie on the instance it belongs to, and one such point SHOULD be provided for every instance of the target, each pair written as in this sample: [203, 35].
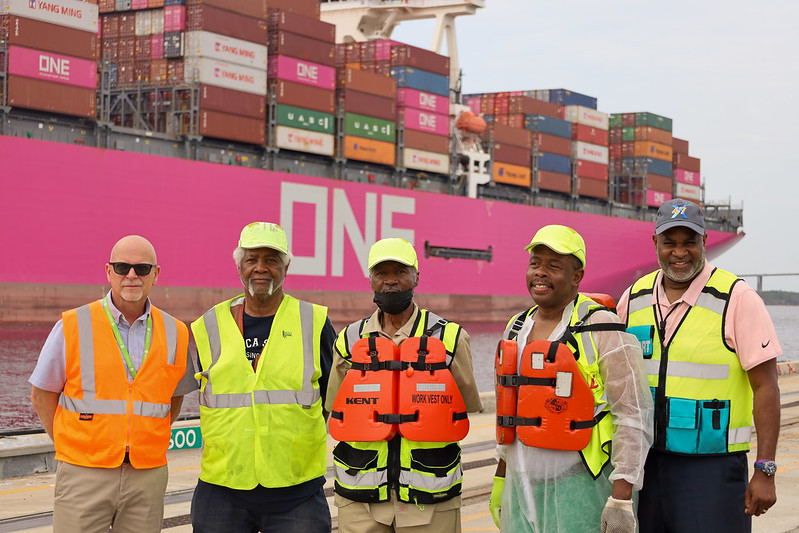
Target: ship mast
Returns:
[363, 20]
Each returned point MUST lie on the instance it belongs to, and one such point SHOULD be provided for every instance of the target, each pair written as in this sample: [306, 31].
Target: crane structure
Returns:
[363, 20]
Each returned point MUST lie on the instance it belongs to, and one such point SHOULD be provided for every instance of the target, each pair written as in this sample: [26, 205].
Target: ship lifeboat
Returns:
[471, 123]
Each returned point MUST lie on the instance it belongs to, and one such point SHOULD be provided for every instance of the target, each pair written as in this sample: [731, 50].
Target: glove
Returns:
[618, 516]
[495, 502]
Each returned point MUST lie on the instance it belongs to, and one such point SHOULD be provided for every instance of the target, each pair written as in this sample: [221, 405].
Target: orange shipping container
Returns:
[554, 181]
[655, 135]
[512, 174]
[659, 183]
[650, 149]
[361, 149]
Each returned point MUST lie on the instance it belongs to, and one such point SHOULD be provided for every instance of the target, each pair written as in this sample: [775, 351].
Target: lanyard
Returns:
[148, 337]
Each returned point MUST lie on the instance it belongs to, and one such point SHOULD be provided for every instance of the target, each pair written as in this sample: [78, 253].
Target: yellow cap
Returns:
[264, 235]
[394, 249]
[560, 239]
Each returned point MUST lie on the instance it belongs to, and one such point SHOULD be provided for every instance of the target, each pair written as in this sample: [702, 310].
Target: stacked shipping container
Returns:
[687, 181]
[52, 51]
[589, 149]
[367, 100]
[302, 78]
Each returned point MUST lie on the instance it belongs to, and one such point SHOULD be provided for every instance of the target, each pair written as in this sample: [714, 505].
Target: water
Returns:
[20, 345]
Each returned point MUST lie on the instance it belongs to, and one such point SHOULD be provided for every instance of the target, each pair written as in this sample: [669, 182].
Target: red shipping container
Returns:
[686, 162]
[505, 134]
[110, 25]
[107, 6]
[515, 155]
[158, 72]
[628, 149]
[203, 17]
[659, 183]
[127, 25]
[553, 181]
[514, 120]
[143, 48]
[679, 145]
[487, 104]
[592, 188]
[157, 46]
[174, 71]
[232, 102]
[614, 151]
[627, 119]
[301, 47]
[39, 35]
[543, 142]
[411, 56]
[54, 97]
[428, 142]
[232, 127]
[308, 8]
[304, 96]
[366, 82]
[592, 170]
[615, 135]
[581, 132]
[384, 69]
[532, 106]
[280, 20]
[250, 8]
[368, 104]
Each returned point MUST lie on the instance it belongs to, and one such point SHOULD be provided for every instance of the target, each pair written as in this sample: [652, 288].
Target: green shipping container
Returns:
[628, 133]
[305, 119]
[370, 127]
[653, 120]
[615, 120]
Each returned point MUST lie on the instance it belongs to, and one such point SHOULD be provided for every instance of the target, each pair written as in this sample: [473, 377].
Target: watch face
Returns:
[768, 467]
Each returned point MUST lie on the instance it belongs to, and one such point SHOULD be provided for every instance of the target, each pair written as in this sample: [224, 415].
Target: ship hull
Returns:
[62, 207]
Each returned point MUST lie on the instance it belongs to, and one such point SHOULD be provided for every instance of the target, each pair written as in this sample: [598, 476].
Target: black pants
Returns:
[688, 494]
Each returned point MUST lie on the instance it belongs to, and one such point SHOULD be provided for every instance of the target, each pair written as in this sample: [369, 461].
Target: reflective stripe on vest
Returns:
[89, 403]
[307, 397]
[703, 400]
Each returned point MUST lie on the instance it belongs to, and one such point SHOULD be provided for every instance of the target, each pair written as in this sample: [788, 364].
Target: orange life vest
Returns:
[407, 389]
[99, 412]
[367, 392]
[554, 405]
[505, 365]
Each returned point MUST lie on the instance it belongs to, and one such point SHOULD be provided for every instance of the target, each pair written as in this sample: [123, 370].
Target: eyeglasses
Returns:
[141, 269]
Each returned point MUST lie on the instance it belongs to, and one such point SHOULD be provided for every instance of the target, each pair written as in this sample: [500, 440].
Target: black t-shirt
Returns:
[284, 499]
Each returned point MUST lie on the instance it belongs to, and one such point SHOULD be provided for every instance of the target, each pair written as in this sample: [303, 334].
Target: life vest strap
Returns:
[512, 421]
[377, 365]
[421, 365]
[397, 418]
[338, 415]
[588, 423]
[514, 380]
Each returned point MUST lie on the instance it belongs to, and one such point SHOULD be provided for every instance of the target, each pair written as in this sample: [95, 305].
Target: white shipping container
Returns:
[423, 160]
[69, 13]
[586, 116]
[144, 23]
[689, 192]
[304, 140]
[157, 21]
[215, 46]
[226, 75]
[590, 152]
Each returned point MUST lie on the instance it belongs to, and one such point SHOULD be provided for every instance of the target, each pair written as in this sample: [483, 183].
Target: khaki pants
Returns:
[355, 518]
[90, 500]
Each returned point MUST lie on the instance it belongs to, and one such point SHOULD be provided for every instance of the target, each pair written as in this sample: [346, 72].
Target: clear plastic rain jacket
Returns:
[551, 491]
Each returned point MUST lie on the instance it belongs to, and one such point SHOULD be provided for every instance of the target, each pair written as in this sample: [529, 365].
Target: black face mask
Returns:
[393, 303]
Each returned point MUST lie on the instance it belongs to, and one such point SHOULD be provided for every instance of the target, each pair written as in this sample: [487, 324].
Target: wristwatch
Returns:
[767, 467]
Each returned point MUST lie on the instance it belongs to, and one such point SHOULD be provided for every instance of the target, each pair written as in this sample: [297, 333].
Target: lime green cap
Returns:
[560, 239]
[264, 235]
[393, 249]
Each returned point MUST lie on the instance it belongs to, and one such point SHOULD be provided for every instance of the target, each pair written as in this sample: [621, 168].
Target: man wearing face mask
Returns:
[394, 491]
[264, 359]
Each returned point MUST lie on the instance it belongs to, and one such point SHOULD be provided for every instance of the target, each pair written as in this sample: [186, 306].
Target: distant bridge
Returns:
[760, 278]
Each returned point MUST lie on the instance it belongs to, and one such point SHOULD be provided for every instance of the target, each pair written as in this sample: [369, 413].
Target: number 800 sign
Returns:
[185, 438]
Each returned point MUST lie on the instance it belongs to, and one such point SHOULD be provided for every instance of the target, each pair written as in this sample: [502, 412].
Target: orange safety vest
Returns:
[415, 396]
[99, 412]
[553, 407]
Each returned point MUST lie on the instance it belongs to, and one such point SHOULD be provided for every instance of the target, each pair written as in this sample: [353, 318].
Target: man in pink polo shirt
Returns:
[710, 351]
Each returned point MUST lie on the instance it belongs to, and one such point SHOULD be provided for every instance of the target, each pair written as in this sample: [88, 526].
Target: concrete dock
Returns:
[26, 501]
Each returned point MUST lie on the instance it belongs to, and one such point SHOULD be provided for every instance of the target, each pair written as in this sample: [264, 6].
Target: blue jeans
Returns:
[213, 511]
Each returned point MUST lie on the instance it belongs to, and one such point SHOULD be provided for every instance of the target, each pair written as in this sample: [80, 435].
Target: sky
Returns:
[726, 72]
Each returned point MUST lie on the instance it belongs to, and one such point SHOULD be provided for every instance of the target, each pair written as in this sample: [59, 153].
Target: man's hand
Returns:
[495, 502]
[618, 516]
[761, 494]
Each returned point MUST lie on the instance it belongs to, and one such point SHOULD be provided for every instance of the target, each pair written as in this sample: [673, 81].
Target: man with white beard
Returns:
[265, 359]
[710, 351]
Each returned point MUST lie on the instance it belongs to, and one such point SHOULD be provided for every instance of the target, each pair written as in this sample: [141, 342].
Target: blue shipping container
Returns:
[548, 125]
[421, 80]
[174, 2]
[567, 97]
[653, 166]
[553, 163]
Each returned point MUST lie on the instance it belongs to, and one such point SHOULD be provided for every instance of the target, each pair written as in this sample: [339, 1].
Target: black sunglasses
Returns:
[141, 269]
